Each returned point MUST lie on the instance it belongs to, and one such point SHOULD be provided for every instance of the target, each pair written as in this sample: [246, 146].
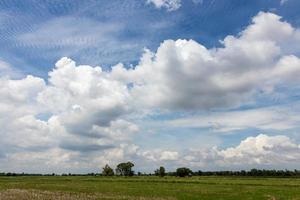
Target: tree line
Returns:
[126, 169]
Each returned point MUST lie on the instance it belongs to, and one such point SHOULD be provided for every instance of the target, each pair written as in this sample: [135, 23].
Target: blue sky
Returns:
[35, 34]
[210, 84]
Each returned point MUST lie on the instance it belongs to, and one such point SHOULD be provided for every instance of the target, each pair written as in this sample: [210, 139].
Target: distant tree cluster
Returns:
[183, 172]
[123, 169]
[160, 171]
[253, 172]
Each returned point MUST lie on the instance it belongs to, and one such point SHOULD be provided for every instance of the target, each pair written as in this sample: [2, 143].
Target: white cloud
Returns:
[20, 130]
[7, 70]
[87, 107]
[262, 150]
[70, 32]
[4, 18]
[185, 75]
[4, 66]
[169, 155]
[271, 118]
[85, 110]
[283, 2]
[198, 1]
[86, 39]
[170, 5]
[158, 155]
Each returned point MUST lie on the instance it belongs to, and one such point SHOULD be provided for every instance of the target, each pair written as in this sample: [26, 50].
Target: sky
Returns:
[204, 84]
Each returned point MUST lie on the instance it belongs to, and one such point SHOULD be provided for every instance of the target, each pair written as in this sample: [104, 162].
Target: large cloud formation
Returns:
[77, 113]
[81, 116]
[262, 150]
[183, 74]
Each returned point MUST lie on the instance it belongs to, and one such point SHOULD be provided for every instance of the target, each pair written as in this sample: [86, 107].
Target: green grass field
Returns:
[146, 188]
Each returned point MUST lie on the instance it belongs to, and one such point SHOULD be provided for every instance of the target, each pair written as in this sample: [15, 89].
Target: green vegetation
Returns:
[160, 171]
[107, 171]
[146, 188]
[125, 169]
[183, 172]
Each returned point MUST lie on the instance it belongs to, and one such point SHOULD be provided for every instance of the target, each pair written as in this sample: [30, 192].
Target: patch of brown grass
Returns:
[270, 197]
[21, 194]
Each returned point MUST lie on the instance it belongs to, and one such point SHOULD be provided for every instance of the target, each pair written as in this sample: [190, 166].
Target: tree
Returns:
[125, 169]
[107, 171]
[200, 173]
[160, 172]
[182, 172]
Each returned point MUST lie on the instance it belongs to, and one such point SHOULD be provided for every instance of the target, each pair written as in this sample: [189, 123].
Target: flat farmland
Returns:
[147, 188]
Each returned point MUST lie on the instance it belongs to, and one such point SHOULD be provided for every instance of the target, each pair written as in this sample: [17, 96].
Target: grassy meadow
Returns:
[148, 188]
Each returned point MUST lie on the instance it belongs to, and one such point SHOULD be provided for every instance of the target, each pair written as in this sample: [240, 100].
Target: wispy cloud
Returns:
[70, 32]
[198, 1]
[283, 2]
[75, 37]
[170, 5]
[7, 70]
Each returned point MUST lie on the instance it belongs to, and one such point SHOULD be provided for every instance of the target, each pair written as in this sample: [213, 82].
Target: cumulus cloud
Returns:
[159, 155]
[170, 5]
[184, 74]
[169, 155]
[261, 151]
[78, 113]
[87, 107]
[20, 130]
[83, 94]
[264, 150]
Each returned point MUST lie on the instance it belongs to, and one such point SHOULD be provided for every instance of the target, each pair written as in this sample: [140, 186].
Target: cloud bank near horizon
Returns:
[83, 117]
